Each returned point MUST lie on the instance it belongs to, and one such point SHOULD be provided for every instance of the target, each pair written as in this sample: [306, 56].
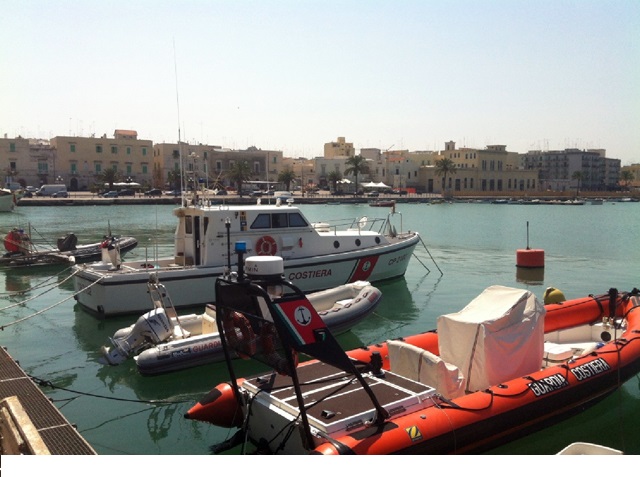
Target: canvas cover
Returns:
[498, 336]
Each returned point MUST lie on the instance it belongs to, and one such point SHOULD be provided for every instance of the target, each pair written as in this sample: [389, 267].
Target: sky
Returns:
[292, 75]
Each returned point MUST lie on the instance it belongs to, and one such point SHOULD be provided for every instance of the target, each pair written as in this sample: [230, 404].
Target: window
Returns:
[12, 147]
[144, 151]
[144, 168]
[74, 168]
[114, 149]
[98, 168]
[263, 221]
[218, 166]
[43, 167]
[279, 220]
[128, 151]
[128, 169]
[72, 147]
[99, 149]
[296, 220]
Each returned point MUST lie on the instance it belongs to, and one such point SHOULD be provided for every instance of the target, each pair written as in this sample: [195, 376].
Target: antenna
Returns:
[175, 66]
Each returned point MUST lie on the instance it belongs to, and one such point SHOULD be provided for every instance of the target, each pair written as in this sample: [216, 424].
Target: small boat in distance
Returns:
[502, 367]
[382, 203]
[316, 256]
[8, 200]
[21, 252]
[161, 341]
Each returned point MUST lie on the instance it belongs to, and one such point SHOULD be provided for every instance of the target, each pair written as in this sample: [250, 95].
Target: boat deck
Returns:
[335, 401]
[52, 428]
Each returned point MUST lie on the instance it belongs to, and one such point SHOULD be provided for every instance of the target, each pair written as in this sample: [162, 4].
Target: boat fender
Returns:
[266, 245]
[12, 241]
[271, 355]
[245, 342]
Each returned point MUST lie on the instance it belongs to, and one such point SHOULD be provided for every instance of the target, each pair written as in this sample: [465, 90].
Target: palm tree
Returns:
[109, 175]
[287, 176]
[577, 176]
[357, 165]
[334, 177]
[444, 167]
[626, 177]
[239, 173]
[175, 179]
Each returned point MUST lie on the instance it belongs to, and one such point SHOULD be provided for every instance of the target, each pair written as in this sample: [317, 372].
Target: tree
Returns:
[444, 167]
[287, 176]
[334, 177]
[175, 179]
[626, 177]
[577, 176]
[357, 165]
[239, 173]
[110, 175]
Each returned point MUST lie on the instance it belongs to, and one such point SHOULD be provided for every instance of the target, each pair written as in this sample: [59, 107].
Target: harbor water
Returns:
[467, 247]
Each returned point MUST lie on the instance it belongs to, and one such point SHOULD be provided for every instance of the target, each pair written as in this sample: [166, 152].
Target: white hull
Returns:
[7, 202]
[316, 256]
[195, 340]
[127, 292]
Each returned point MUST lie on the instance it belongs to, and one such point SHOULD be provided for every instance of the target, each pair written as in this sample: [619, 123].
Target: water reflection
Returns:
[530, 276]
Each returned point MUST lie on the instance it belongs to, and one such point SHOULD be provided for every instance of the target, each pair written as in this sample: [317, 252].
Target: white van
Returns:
[50, 189]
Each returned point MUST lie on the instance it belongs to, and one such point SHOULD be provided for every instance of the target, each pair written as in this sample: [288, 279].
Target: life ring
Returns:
[266, 245]
[270, 353]
[245, 342]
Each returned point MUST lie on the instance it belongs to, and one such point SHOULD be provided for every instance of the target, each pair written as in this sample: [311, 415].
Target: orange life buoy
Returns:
[270, 353]
[245, 342]
[266, 245]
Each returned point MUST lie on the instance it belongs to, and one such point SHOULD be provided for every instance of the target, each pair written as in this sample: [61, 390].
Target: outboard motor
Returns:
[151, 328]
[68, 242]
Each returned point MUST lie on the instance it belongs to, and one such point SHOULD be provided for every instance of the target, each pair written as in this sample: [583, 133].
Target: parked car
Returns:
[373, 194]
[174, 193]
[127, 192]
[256, 193]
[62, 194]
[153, 192]
[110, 194]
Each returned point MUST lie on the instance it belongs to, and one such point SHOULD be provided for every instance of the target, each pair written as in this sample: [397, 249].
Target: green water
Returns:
[588, 249]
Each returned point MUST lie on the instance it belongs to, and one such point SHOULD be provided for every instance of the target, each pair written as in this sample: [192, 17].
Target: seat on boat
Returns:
[425, 367]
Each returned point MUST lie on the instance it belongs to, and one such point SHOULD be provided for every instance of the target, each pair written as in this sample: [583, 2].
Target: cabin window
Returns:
[263, 221]
[296, 220]
[279, 220]
[188, 224]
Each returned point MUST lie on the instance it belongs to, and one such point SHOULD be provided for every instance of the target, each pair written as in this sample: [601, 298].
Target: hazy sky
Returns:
[292, 75]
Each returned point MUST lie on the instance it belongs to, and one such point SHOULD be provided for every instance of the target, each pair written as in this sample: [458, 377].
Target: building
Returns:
[78, 162]
[339, 148]
[479, 171]
[573, 169]
[208, 165]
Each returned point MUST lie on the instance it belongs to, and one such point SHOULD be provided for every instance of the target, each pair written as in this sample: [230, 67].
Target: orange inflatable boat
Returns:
[502, 367]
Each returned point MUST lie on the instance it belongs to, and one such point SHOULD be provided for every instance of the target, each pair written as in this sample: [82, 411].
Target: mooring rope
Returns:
[39, 285]
[37, 296]
[431, 256]
[49, 307]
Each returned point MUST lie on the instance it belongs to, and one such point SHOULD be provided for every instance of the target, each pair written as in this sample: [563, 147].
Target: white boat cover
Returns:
[498, 336]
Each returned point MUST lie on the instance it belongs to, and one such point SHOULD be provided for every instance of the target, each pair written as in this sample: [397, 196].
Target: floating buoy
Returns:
[530, 258]
[553, 295]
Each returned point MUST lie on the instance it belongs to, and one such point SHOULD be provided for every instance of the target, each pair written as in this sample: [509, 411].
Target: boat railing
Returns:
[363, 223]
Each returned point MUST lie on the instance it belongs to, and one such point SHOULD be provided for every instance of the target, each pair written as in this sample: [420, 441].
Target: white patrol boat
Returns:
[316, 256]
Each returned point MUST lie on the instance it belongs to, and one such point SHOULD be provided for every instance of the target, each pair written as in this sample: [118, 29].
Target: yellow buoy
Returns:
[552, 296]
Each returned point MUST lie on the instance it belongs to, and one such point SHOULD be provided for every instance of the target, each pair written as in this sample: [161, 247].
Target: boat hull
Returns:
[472, 422]
[107, 293]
